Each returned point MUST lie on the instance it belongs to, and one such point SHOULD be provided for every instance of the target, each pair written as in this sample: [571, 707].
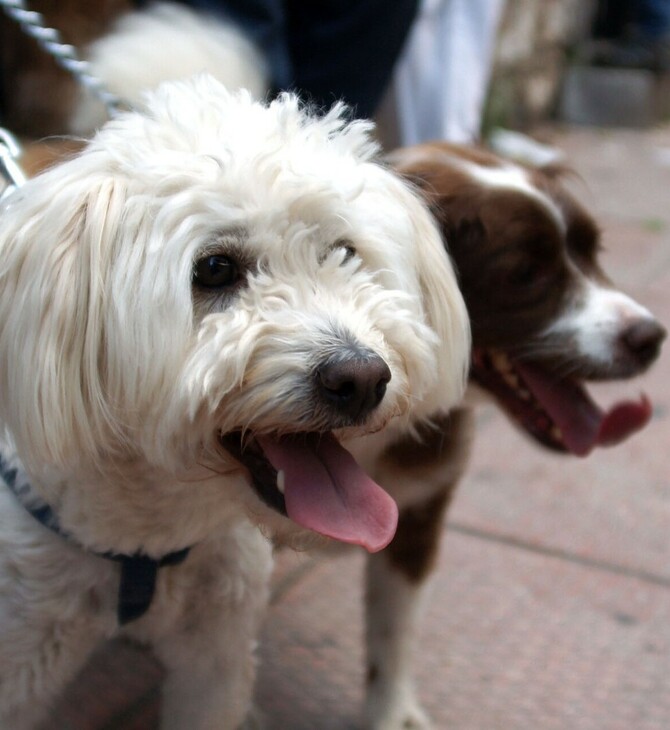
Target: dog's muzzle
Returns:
[308, 476]
[352, 382]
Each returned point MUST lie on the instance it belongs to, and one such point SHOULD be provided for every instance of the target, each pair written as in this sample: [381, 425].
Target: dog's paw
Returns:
[406, 715]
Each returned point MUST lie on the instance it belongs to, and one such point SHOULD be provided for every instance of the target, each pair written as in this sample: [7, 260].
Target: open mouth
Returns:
[313, 480]
[557, 412]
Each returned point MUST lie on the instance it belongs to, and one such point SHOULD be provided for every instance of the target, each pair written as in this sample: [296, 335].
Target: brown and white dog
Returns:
[545, 319]
[544, 315]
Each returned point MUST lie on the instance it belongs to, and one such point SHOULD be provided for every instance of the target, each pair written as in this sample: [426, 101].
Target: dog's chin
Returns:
[309, 478]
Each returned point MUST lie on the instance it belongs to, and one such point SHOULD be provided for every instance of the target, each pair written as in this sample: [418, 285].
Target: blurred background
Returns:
[551, 606]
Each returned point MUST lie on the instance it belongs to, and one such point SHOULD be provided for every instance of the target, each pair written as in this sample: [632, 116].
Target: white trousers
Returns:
[441, 79]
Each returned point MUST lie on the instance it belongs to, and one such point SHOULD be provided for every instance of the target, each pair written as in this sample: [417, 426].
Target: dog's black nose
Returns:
[353, 382]
[643, 339]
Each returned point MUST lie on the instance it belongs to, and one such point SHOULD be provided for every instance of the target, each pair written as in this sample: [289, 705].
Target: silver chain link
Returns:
[34, 24]
[11, 175]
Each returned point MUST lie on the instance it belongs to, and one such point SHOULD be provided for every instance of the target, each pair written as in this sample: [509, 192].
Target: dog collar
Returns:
[138, 572]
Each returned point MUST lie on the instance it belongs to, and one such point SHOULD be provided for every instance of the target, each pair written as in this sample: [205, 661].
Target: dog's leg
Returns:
[398, 577]
[209, 656]
[27, 717]
[56, 607]
[37, 660]
[209, 683]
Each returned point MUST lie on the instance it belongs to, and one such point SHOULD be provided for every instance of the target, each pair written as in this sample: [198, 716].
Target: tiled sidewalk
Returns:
[551, 608]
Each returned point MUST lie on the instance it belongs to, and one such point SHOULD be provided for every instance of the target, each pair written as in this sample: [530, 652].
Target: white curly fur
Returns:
[116, 375]
[166, 41]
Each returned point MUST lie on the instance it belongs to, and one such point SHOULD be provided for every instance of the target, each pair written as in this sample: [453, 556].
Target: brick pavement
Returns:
[551, 607]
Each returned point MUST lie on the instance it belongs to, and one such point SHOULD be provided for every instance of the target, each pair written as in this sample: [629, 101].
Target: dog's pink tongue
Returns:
[624, 419]
[326, 491]
[583, 424]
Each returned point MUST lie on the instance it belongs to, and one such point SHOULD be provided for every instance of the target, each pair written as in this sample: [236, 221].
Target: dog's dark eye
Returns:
[525, 274]
[350, 252]
[349, 249]
[216, 272]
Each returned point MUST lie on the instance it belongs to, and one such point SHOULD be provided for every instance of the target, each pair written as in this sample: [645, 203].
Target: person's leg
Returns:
[346, 49]
[653, 18]
[611, 17]
[646, 44]
[263, 21]
[443, 75]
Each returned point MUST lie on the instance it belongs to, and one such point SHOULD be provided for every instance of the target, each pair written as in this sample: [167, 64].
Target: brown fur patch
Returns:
[510, 253]
[39, 156]
[443, 440]
[414, 547]
[428, 150]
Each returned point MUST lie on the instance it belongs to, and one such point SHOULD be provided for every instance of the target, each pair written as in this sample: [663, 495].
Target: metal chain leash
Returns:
[11, 175]
[49, 39]
[34, 24]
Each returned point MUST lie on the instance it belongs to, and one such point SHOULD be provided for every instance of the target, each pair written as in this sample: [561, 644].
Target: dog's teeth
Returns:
[524, 394]
[280, 481]
[500, 361]
[556, 433]
[511, 379]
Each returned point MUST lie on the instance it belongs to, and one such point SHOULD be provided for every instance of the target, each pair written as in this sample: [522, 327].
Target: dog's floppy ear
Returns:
[55, 243]
[442, 301]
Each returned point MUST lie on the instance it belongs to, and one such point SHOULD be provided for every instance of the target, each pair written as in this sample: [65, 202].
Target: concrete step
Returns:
[613, 97]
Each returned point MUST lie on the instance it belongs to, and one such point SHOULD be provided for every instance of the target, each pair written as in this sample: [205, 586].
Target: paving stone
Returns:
[608, 97]
[116, 690]
[512, 639]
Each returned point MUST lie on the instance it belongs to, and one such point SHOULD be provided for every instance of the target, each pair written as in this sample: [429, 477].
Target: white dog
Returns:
[188, 309]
